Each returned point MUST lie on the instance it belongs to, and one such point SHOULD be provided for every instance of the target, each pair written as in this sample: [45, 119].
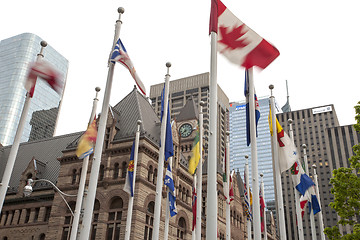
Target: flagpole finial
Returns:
[314, 166]
[168, 65]
[121, 10]
[246, 156]
[261, 174]
[271, 87]
[227, 133]
[97, 89]
[139, 122]
[290, 121]
[303, 146]
[202, 103]
[43, 43]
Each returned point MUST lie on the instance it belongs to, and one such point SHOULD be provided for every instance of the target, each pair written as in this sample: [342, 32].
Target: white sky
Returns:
[318, 43]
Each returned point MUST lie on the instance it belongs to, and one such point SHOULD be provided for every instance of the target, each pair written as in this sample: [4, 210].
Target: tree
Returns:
[346, 191]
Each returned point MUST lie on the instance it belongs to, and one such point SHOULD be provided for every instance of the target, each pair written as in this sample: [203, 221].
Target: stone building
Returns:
[45, 215]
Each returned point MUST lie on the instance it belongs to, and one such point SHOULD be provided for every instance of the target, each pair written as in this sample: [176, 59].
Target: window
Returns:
[36, 216]
[27, 216]
[47, 214]
[155, 176]
[181, 231]
[150, 172]
[73, 177]
[68, 221]
[101, 173]
[124, 170]
[116, 171]
[95, 219]
[114, 219]
[42, 236]
[149, 220]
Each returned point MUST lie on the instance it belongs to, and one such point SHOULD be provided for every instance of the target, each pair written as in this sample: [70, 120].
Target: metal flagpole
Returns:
[228, 220]
[199, 175]
[296, 193]
[263, 195]
[254, 163]
[159, 181]
[15, 146]
[131, 199]
[321, 223]
[80, 194]
[277, 173]
[248, 223]
[193, 236]
[211, 207]
[312, 220]
[90, 199]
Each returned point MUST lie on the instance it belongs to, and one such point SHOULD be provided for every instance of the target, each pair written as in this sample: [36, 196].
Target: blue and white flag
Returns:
[257, 108]
[120, 55]
[130, 174]
[169, 147]
[169, 182]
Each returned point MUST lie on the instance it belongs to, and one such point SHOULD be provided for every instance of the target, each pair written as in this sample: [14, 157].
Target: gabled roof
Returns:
[190, 111]
[45, 151]
[132, 108]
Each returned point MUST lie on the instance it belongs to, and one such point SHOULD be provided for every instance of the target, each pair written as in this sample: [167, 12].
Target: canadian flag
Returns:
[45, 71]
[237, 42]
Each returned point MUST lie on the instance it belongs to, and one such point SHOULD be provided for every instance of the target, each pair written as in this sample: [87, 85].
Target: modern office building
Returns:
[328, 147]
[197, 88]
[15, 55]
[239, 148]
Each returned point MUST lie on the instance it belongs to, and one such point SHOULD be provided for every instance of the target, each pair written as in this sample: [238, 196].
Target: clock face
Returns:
[185, 130]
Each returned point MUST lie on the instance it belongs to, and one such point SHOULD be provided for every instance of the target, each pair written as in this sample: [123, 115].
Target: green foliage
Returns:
[346, 191]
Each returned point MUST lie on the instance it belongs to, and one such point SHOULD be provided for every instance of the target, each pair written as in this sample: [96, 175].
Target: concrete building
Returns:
[44, 215]
[197, 88]
[329, 147]
[15, 55]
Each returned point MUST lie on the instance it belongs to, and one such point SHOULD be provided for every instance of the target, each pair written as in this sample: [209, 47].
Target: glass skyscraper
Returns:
[239, 148]
[15, 55]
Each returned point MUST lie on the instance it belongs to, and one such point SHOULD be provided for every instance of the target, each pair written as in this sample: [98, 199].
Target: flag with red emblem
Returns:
[237, 42]
[130, 174]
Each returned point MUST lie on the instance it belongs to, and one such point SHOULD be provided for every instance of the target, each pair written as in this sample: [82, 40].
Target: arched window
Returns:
[116, 171]
[183, 196]
[181, 231]
[187, 196]
[73, 177]
[124, 170]
[101, 172]
[155, 176]
[68, 221]
[149, 220]
[150, 172]
[95, 219]
[42, 236]
[114, 219]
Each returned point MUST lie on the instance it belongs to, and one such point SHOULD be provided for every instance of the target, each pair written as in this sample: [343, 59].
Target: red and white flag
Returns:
[237, 42]
[46, 72]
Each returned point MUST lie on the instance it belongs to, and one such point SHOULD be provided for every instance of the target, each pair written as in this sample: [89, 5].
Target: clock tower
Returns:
[187, 123]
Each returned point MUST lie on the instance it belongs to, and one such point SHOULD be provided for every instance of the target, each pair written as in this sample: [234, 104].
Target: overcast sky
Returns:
[318, 43]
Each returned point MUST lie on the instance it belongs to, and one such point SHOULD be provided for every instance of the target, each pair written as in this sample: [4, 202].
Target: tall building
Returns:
[239, 148]
[197, 88]
[328, 147]
[15, 55]
[45, 215]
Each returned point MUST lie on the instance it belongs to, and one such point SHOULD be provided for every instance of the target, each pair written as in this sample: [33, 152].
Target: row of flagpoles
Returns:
[258, 53]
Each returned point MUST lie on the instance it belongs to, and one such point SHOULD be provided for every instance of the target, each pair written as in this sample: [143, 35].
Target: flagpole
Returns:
[90, 199]
[199, 174]
[263, 195]
[321, 223]
[254, 163]
[312, 219]
[80, 194]
[193, 236]
[277, 173]
[296, 193]
[228, 220]
[211, 211]
[131, 199]
[248, 195]
[159, 181]
[15, 146]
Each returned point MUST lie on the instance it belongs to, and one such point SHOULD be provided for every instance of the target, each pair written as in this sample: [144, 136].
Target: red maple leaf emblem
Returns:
[231, 38]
